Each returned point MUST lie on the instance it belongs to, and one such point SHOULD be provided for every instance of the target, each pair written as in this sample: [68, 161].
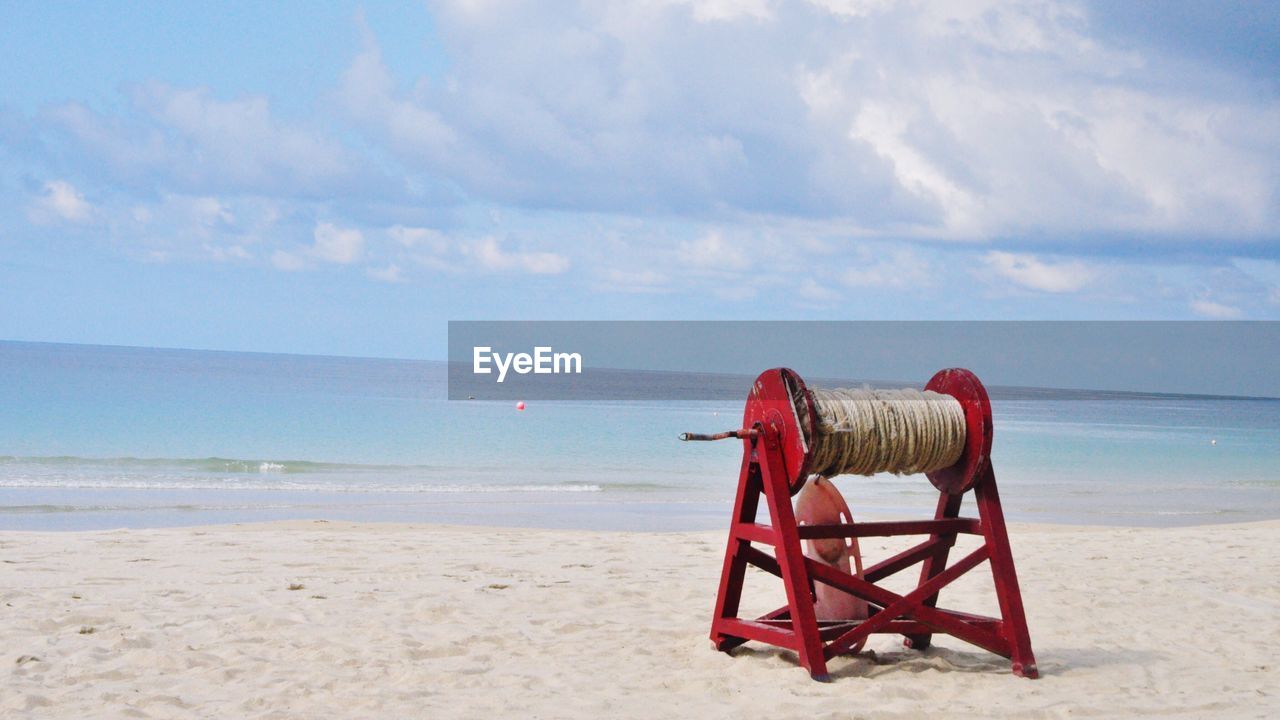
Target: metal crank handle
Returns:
[738, 434]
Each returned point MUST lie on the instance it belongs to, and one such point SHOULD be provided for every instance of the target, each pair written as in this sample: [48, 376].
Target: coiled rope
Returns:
[864, 431]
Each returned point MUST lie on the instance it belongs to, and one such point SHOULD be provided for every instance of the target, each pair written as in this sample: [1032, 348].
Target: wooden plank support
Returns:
[762, 560]
[898, 605]
[948, 526]
[756, 532]
[981, 635]
[902, 560]
[763, 632]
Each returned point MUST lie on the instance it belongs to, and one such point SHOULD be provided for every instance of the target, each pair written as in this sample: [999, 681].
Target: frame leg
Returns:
[735, 562]
[948, 508]
[1014, 620]
[795, 574]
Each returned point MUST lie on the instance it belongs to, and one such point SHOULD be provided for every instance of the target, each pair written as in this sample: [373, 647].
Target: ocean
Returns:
[95, 437]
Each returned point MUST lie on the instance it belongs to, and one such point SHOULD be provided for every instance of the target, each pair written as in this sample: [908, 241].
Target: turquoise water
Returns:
[94, 437]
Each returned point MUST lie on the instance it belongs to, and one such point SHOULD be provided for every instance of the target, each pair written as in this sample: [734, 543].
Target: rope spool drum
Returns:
[801, 417]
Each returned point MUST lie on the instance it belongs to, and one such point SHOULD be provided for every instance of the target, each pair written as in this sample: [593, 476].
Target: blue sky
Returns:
[346, 177]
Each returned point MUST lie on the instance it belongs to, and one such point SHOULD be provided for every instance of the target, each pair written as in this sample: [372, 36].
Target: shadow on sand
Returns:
[870, 663]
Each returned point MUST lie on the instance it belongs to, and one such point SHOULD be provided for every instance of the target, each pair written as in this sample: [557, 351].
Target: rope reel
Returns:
[904, 432]
[943, 431]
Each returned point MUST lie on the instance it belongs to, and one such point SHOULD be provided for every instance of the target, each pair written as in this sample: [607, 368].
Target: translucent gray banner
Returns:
[713, 360]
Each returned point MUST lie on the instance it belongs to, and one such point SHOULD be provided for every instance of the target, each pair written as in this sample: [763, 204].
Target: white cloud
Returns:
[953, 120]
[60, 201]
[1032, 273]
[333, 244]
[188, 215]
[712, 251]
[367, 92]
[736, 293]
[886, 267]
[854, 8]
[194, 227]
[817, 293]
[330, 244]
[389, 274]
[436, 263]
[287, 261]
[884, 128]
[723, 10]
[228, 253]
[210, 211]
[491, 256]
[1217, 311]
[186, 140]
[633, 280]
[419, 237]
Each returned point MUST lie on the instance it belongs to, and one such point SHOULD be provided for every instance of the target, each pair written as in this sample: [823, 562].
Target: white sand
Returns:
[395, 621]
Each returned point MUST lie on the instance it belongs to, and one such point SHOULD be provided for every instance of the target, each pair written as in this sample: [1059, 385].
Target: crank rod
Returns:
[737, 434]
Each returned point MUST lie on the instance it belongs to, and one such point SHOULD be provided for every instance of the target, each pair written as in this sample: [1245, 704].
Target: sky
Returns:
[344, 178]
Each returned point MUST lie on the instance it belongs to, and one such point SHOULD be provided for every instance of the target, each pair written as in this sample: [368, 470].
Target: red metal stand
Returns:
[771, 468]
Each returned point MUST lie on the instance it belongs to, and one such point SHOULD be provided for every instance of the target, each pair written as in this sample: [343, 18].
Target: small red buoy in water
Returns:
[520, 405]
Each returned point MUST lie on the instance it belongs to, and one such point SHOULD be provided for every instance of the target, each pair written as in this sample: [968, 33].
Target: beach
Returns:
[404, 360]
[336, 619]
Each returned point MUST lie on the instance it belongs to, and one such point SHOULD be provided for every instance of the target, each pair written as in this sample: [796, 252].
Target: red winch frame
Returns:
[775, 462]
